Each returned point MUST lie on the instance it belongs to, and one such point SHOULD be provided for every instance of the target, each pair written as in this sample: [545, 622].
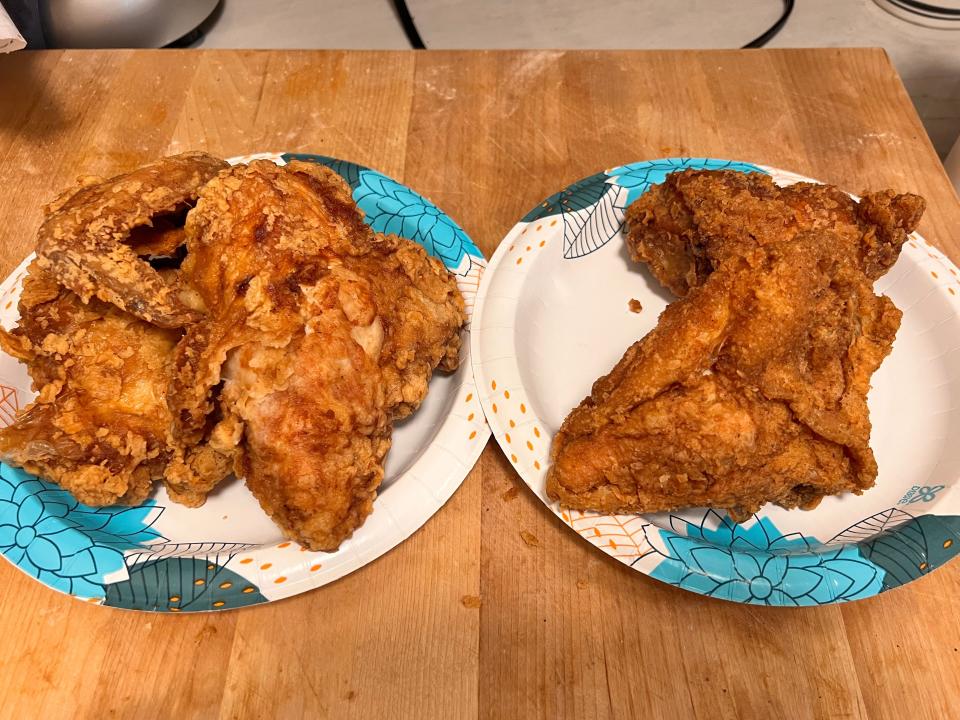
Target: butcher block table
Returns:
[466, 619]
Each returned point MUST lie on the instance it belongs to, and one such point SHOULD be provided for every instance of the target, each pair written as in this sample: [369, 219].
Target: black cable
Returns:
[406, 19]
[762, 40]
[930, 11]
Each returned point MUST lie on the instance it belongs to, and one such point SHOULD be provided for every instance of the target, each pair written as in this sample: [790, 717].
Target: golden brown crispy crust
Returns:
[316, 425]
[421, 311]
[99, 424]
[256, 235]
[82, 241]
[696, 219]
[321, 333]
[752, 388]
[317, 334]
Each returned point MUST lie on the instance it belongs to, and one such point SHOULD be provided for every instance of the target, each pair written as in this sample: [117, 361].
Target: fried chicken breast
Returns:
[321, 333]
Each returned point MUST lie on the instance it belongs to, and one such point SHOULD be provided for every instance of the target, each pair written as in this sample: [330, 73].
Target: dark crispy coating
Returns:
[321, 333]
[687, 226]
[82, 241]
[752, 388]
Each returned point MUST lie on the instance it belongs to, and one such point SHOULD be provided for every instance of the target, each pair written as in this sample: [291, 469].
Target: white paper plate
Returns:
[552, 316]
[165, 557]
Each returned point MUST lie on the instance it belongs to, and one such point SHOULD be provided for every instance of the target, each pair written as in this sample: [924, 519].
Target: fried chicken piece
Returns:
[321, 333]
[421, 311]
[83, 241]
[696, 219]
[99, 424]
[752, 388]
[316, 428]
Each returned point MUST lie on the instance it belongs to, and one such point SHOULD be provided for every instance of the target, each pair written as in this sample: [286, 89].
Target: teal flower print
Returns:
[392, 208]
[913, 547]
[639, 176]
[760, 565]
[579, 196]
[46, 533]
[182, 584]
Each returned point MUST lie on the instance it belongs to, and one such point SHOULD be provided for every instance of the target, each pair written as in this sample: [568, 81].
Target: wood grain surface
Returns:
[561, 630]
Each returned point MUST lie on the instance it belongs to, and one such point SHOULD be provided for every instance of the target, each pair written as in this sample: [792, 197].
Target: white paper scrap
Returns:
[10, 37]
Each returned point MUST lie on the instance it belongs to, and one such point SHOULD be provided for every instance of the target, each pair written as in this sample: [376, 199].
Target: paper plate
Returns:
[552, 316]
[165, 557]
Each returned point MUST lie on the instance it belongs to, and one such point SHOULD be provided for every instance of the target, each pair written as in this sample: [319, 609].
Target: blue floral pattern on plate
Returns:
[758, 564]
[396, 209]
[913, 548]
[49, 535]
[639, 176]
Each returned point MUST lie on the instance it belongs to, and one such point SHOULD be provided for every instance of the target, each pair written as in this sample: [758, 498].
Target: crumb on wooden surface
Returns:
[635, 305]
[470, 601]
[529, 538]
[582, 584]
[510, 494]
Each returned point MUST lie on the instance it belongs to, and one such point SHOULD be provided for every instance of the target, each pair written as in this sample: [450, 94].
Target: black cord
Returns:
[930, 11]
[762, 40]
[406, 19]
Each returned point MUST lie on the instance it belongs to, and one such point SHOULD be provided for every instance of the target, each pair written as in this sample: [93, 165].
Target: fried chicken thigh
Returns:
[753, 387]
[99, 424]
[319, 333]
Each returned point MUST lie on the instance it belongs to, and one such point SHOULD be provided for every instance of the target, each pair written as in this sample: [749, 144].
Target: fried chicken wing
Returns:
[687, 226]
[321, 333]
[100, 424]
[88, 239]
[753, 386]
